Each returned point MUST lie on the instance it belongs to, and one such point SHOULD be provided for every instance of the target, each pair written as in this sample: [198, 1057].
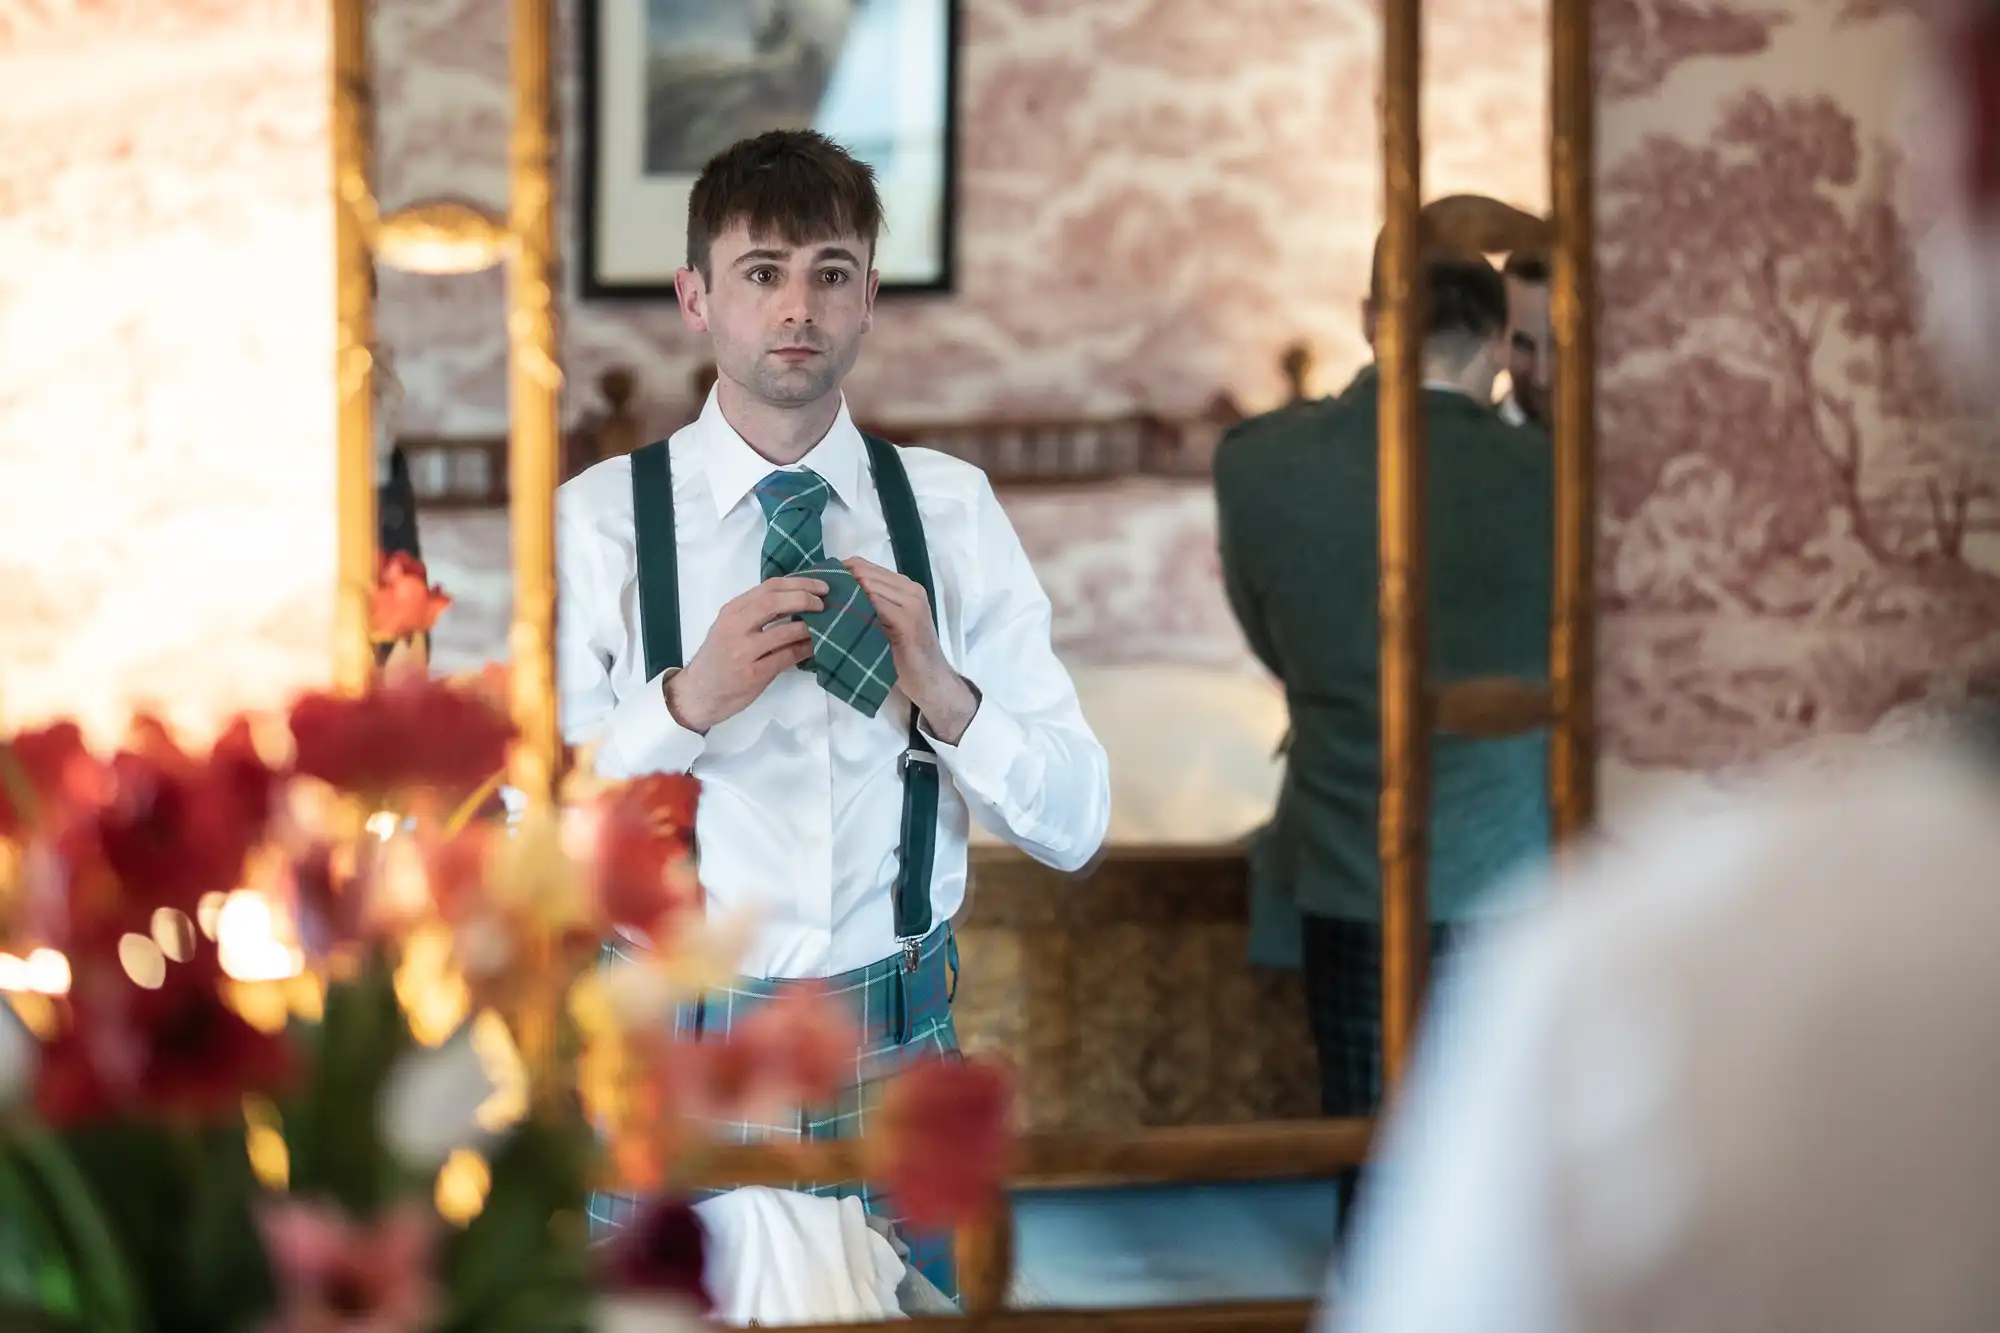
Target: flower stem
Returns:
[471, 806]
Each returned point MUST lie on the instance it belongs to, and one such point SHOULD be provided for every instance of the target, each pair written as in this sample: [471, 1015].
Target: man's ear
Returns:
[692, 292]
[1368, 320]
[874, 289]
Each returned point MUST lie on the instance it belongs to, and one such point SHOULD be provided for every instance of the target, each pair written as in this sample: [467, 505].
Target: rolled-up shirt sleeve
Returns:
[634, 735]
[1028, 764]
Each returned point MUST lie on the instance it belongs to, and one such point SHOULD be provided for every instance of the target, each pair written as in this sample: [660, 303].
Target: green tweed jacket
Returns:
[1295, 491]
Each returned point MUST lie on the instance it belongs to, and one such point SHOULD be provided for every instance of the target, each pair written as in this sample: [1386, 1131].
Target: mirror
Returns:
[1139, 1004]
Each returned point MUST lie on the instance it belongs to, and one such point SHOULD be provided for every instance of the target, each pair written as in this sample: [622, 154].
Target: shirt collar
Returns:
[1367, 380]
[734, 468]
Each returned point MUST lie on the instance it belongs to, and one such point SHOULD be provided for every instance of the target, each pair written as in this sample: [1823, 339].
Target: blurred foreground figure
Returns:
[1743, 1076]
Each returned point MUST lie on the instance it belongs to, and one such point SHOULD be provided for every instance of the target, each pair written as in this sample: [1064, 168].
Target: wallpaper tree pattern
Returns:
[1797, 522]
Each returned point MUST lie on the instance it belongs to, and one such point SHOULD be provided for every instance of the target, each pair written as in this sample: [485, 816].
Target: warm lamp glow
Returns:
[208, 911]
[462, 1184]
[143, 960]
[247, 941]
[264, 1141]
[43, 972]
[433, 995]
[501, 1061]
[174, 933]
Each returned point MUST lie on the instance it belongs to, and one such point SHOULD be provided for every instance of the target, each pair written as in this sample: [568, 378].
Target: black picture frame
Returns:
[596, 286]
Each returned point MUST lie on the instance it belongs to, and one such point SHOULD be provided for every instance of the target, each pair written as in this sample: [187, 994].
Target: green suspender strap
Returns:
[659, 574]
[659, 567]
[660, 629]
[919, 762]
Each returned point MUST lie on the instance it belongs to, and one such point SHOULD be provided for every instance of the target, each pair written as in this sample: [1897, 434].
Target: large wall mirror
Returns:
[1170, 1090]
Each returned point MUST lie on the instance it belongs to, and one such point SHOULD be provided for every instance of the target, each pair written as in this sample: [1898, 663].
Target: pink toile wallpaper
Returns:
[1800, 535]
[1155, 198]
[166, 343]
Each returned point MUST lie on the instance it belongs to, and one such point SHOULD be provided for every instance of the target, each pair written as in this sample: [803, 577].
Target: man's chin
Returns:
[795, 387]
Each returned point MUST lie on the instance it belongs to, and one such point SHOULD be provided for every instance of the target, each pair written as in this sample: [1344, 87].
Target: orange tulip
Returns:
[405, 602]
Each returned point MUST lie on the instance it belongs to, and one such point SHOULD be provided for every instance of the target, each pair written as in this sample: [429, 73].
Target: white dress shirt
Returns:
[802, 798]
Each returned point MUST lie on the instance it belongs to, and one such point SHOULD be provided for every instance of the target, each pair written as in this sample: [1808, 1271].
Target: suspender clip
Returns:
[909, 757]
[910, 956]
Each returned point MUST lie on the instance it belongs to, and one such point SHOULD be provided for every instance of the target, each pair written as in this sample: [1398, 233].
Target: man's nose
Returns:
[795, 302]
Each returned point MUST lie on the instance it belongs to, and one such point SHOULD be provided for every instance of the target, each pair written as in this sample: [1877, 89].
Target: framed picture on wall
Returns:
[667, 84]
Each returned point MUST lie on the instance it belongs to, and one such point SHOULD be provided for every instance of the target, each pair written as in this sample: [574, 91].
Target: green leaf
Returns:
[333, 1130]
[74, 1210]
[529, 1241]
[34, 1261]
[225, 1272]
[28, 1319]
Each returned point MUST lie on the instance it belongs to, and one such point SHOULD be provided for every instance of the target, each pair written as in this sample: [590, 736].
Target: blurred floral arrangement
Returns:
[305, 1039]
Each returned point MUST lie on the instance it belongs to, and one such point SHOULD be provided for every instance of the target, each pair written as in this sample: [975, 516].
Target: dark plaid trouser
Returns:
[903, 1016]
[1343, 985]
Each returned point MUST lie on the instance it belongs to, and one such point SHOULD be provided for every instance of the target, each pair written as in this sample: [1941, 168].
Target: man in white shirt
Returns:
[836, 798]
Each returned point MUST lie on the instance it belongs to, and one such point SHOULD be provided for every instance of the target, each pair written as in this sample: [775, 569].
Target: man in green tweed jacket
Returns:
[1295, 490]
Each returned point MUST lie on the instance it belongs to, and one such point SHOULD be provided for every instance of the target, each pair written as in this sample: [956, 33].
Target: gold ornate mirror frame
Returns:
[452, 237]
[446, 236]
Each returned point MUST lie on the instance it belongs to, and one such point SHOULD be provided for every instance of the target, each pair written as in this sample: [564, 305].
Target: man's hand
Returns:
[944, 698]
[753, 639]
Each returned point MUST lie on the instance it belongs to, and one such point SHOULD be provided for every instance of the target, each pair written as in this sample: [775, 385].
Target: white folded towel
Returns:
[782, 1257]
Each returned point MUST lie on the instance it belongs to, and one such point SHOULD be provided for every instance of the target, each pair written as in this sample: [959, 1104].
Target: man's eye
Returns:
[833, 277]
[763, 275]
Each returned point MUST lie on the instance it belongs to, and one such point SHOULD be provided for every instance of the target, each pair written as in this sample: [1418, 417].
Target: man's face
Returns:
[1530, 355]
[785, 321]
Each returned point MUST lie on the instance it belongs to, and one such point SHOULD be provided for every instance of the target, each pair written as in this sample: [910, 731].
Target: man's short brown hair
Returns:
[796, 185]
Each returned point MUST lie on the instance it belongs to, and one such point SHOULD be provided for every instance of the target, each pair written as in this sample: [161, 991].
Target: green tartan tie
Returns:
[851, 654]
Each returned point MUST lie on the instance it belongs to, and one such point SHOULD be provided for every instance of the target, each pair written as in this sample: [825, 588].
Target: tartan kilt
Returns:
[1342, 971]
[904, 1017]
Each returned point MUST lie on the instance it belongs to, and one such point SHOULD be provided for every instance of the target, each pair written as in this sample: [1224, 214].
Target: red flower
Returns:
[661, 1252]
[408, 733]
[404, 602]
[42, 769]
[797, 1050]
[326, 903]
[456, 869]
[644, 854]
[177, 1050]
[236, 767]
[170, 829]
[942, 1139]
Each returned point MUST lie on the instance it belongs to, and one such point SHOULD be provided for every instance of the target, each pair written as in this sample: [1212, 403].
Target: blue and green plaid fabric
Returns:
[904, 1017]
[851, 654]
